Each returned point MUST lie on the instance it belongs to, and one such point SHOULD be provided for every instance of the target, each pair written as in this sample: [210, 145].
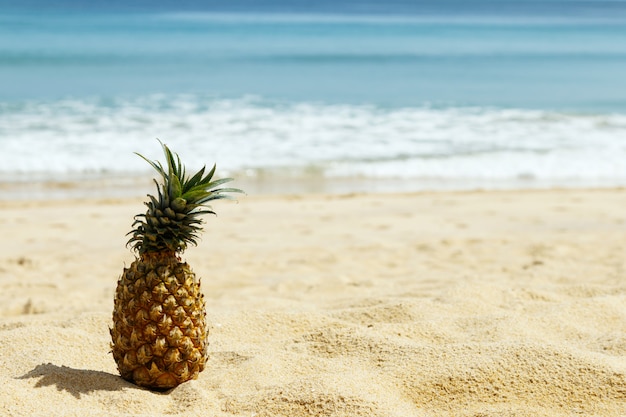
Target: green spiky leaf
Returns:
[172, 221]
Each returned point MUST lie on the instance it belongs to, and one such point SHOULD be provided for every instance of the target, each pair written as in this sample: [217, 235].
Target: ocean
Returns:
[386, 96]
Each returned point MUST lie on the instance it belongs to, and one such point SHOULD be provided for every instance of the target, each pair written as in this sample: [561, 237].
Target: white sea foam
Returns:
[470, 146]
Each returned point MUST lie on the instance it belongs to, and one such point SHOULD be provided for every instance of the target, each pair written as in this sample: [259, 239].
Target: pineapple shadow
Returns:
[76, 381]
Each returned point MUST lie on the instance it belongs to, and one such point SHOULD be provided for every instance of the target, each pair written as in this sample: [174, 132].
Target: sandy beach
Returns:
[501, 303]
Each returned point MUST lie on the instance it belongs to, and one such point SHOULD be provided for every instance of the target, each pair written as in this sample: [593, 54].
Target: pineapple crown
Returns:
[172, 220]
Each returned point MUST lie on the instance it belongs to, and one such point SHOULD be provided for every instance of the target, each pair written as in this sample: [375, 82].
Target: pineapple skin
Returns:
[159, 333]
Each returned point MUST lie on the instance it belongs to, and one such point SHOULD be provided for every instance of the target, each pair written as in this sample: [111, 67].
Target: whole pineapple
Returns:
[159, 320]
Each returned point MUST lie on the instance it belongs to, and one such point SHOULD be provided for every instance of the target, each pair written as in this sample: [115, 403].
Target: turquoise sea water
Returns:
[433, 94]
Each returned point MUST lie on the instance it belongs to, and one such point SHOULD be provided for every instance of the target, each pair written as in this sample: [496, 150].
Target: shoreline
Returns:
[137, 186]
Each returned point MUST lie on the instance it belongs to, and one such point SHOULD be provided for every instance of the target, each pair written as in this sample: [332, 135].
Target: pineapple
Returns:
[159, 320]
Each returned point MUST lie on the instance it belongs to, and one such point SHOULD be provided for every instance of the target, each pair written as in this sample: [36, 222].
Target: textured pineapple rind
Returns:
[159, 323]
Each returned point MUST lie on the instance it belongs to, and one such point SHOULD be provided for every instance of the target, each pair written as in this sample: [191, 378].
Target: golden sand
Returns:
[505, 303]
